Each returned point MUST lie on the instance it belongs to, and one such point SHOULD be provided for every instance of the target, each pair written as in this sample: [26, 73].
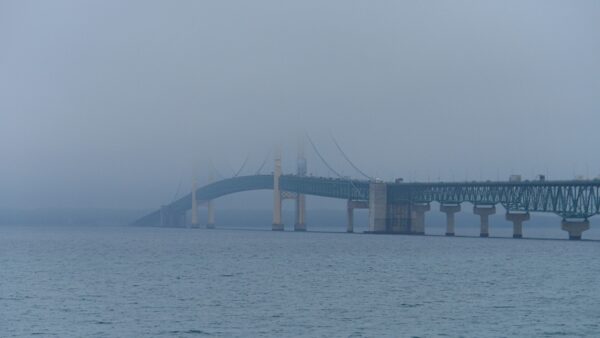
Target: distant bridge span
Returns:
[308, 185]
[400, 207]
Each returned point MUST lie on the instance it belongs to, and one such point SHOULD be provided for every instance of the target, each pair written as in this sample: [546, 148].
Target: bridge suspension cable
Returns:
[242, 167]
[177, 191]
[263, 164]
[321, 157]
[230, 168]
[327, 164]
[348, 159]
[214, 170]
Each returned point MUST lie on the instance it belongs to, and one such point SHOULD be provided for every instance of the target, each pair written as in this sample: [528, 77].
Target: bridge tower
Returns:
[211, 208]
[277, 224]
[194, 204]
[300, 224]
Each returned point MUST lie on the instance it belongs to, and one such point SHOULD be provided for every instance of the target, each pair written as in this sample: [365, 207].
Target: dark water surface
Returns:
[132, 282]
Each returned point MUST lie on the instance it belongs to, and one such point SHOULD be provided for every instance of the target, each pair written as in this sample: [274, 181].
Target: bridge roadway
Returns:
[400, 207]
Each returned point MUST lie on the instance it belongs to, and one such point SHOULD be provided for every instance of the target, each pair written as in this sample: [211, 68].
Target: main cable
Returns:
[177, 192]
[321, 157]
[263, 164]
[348, 159]
[330, 168]
[242, 167]
[213, 170]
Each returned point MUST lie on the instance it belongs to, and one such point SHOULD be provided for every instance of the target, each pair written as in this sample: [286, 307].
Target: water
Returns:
[132, 282]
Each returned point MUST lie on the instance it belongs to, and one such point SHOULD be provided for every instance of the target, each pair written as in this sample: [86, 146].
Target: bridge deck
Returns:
[569, 199]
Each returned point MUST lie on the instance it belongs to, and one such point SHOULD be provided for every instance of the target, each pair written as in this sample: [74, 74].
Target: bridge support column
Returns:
[194, 206]
[300, 224]
[418, 226]
[350, 214]
[450, 210]
[277, 224]
[575, 227]
[164, 218]
[377, 207]
[171, 218]
[517, 218]
[484, 212]
[401, 218]
[168, 218]
[350, 206]
[211, 215]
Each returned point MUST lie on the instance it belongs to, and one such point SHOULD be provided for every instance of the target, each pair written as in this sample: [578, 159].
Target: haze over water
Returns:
[111, 104]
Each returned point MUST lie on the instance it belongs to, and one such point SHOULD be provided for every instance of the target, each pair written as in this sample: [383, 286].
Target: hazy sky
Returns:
[112, 103]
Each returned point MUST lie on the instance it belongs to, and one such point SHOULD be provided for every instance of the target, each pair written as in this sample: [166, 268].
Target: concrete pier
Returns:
[350, 216]
[300, 224]
[377, 207]
[211, 215]
[171, 218]
[210, 224]
[400, 218]
[277, 224]
[165, 219]
[450, 210]
[350, 206]
[517, 218]
[484, 212]
[418, 226]
[395, 214]
[575, 227]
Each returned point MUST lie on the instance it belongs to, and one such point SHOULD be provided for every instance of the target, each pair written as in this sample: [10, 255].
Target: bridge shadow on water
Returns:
[390, 234]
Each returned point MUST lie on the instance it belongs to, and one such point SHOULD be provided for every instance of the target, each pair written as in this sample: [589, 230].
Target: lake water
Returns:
[131, 282]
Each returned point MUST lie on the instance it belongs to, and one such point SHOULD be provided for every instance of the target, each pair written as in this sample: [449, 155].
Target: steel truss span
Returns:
[568, 199]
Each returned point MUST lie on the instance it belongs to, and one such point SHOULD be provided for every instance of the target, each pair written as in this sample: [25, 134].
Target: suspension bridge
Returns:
[396, 207]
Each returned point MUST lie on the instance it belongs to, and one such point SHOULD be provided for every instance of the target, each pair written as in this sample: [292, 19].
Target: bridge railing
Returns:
[326, 187]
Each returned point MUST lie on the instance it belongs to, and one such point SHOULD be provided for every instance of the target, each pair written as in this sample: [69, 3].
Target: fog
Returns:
[113, 104]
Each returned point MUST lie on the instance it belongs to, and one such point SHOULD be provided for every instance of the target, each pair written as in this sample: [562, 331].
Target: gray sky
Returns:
[111, 103]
